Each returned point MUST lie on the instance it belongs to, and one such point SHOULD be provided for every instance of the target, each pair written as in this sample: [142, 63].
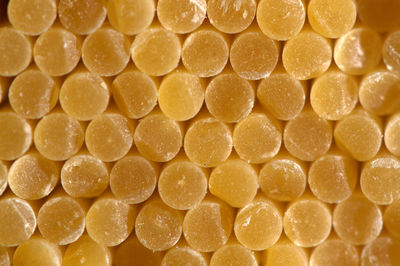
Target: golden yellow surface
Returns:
[392, 134]
[233, 254]
[183, 255]
[382, 251]
[335, 252]
[37, 252]
[285, 253]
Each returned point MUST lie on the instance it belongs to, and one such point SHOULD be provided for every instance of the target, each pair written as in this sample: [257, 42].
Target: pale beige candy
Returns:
[253, 55]
[334, 252]
[258, 225]
[281, 19]
[5, 258]
[32, 17]
[130, 16]
[208, 142]
[307, 222]
[84, 95]
[359, 134]
[135, 93]
[110, 221]
[133, 179]
[229, 98]
[307, 136]
[84, 176]
[106, 52]
[283, 178]
[182, 184]
[307, 55]
[231, 16]
[183, 256]
[181, 95]
[33, 177]
[233, 255]
[3, 177]
[86, 252]
[380, 92]
[392, 134]
[333, 177]
[109, 136]
[15, 52]
[15, 135]
[158, 227]
[181, 16]
[332, 19]
[282, 95]
[33, 94]
[357, 220]
[132, 253]
[257, 138]
[57, 52]
[82, 16]
[391, 52]
[334, 95]
[379, 179]
[156, 51]
[358, 51]
[58, 136]
[17, 221]
[158, 138]
[61, 220]
[383, 251]
[235, 182]
[37, 252]
[285, 253]
[391, 218]
[381, 15]
[208, 226]
[205, 52]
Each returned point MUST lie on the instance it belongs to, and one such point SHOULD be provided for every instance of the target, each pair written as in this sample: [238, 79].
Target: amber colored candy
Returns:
[15, 135]
[334, 95]
[335, 252]
[58, 136]
[30, 17]
[208, 226]
[15, 52]
[3, 177]
[307, 136]
[82, 16]
[231, 16]
[285, 253]
[205, 52]
[307, 55]
[5, 256]
[135, 93]
[229, 98]
[84, 176]
[357, 220]
[281, 19]
[391, 218]
[235, 182]
[3, 88]
[158, 138]
[181, 16]
[37, 251]
[391, 52]
[106, 52]
[392, 134]
[258, 225]
[158, 227]
[359, 134]
[86, 252]
[233, 255]
[110, 221]
[307, 222]
[384, 250]
[282, 95]
[181, 95]
[33, 177]
[358, 51]
[380, 15]
[257, 138]
[84, 95]
[109, 136]
[130, 16]
[33, 94]
[17, 221]
[61, 219]
[156, 51]
[184, 255]
[182, 184]
[133, 179]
